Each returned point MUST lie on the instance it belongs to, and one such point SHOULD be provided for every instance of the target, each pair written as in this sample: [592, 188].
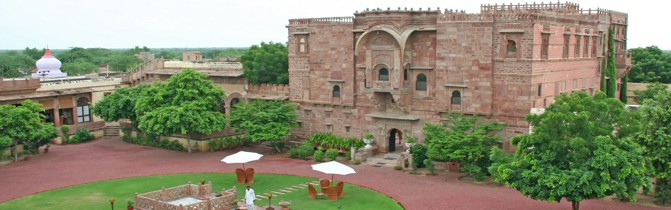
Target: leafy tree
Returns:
[656, 137]
[226, 52]
[124, 63]
[268, 63]
[650, 92]
[33, 53]
[121, 104]
[168, 55]
[650, 64]
[581, 148]
[611, 87]
[23, 124]
[264, 120]
[463, 139]
[188, 103]
[137, 50]
[75, 54]
[79, 67]
[623, 90]
[14, 64]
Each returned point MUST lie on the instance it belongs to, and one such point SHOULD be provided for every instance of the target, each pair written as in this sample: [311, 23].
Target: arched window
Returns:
[83, 110]
[512, 48]
[456, 97]
[405, 73]
[383, 74]
[234, 101]
[336, 91]
[421, 82]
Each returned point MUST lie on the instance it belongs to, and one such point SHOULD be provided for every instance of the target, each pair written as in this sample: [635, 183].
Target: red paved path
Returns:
[111, 158]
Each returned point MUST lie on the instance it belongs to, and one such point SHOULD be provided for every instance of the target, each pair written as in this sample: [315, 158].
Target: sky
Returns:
[62, 24]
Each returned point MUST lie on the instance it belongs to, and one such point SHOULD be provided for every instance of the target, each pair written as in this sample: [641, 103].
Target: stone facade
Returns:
[390, 71]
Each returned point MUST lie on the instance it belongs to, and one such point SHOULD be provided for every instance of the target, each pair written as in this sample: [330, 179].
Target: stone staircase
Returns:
[111, 130]
[386, 160]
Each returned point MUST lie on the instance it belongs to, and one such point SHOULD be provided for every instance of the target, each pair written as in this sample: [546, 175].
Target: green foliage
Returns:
[81, 135]
[418, 152]
[498, 157]
[611, 88]
[124, 63]
[348, 155]
[655, 136]
[150, 141]
[121, 104]
[464, 139]
[293, 153]
[429, 165]
[303, 151]
[650, 65]
[34, 53]
[79, 67]
[168, 55]
[65, 130]
[356, 162]
[14, 64]
[478, 173]
[332, 154]
[268, 63]
[5, 142]
[263, 120]
[318, 156]
[574, 153]
[649, 92]
[397, 167]
[224, 53]
[188, 103]
[23, 124]
[623, 90]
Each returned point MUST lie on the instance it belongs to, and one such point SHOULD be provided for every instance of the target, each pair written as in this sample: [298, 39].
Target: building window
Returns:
[233, 102]
[301, 45]
[347, 128]
[577, 47]
[336, 91]
[405, 73]
[456, 97]
[511, 50]
[540, 89]
[421, 82]
[65, 116]
[83, 110]
[567, 39]
[594, 44]
[329, 128]
[545, 45]
[585, 52]
[383, 74]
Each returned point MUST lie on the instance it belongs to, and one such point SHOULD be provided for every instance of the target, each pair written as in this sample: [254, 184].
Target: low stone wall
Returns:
[158, 200]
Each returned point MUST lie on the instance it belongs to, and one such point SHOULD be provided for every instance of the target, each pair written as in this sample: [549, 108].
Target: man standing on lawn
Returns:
[249, 197]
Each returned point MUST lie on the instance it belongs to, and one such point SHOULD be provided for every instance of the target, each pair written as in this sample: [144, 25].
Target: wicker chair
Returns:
[241, 175]
[249, 174]
[324, 183]
[339, 186]
[331, 193]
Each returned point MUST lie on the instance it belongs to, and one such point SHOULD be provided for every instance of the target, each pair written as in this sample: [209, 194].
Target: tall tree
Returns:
[656, 137]
[580, 148]
[187, 104]
[264, 120]
[649, 92]
[33, 53]
[465, 139]
[268, 63]
[612, 72]
[650, 64]
[124, 63]
[121, 104]
[623, 90]
[23, 124]
[14, 64]
[79, 67]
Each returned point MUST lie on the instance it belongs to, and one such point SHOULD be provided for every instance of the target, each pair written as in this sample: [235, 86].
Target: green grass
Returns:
[96, 195]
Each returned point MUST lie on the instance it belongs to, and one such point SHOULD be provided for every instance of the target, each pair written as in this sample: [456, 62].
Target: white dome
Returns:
[48, 62]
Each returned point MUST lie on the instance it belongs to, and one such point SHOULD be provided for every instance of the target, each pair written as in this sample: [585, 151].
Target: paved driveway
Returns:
[111, 158]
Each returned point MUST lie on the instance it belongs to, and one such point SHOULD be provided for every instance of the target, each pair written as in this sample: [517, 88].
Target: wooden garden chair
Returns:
[312, 192]
[241, 175]
[324, 183]
[331, 193]
[340, 186]
[249, 174]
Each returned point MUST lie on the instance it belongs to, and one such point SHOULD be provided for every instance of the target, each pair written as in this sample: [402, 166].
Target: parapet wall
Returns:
[18, 86]
[269, 89]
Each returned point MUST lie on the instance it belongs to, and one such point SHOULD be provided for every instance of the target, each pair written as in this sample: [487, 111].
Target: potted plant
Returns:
[368, 139]
[129, 206]
[409, 142]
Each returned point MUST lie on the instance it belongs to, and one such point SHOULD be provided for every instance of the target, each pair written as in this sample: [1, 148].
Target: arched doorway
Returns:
[394, 139]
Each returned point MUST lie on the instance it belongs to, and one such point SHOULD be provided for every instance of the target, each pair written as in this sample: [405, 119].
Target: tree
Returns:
[611, 87]
[650, 92]
[581, 148]
[33, 53]
[623, 90]
[463, 139]
[124, 63]
[187, 104]
[121, 104]
[656, 137]
[649, 65]
[79, 67]
[268, 63]
[23, 124]
[14, 64]
[264, 120]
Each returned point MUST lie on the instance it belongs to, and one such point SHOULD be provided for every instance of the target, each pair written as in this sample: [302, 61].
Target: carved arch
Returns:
[385, 29]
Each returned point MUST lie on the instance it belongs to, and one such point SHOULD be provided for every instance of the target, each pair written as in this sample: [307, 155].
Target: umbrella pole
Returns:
[243, 167]
[331, 179]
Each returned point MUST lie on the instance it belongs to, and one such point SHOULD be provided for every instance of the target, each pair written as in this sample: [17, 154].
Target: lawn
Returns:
[96, 195]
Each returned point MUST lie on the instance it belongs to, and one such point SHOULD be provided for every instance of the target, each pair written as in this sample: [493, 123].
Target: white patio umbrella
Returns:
[332, 168]
[242, 157]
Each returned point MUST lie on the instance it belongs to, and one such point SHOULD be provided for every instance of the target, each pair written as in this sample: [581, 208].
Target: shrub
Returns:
[397, 167]
[348, 155]
[65, 130]
[429, 165]
[81, 135]
[294, 153]
[498, 157]
[279, 145]
[332, 154]
[418, 152]
[356, 162]
[475, 171]
[305, 151]
[318, 156]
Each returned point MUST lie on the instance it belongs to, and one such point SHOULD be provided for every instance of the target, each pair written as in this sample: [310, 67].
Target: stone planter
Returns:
[368, 143]
[408, 145]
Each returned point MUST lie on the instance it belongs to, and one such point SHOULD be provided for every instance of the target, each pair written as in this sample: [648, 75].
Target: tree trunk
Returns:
[188, 143]
[575, 205]
[14, 151]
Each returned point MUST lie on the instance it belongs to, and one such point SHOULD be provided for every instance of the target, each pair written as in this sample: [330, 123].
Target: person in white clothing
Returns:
[249, 197]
